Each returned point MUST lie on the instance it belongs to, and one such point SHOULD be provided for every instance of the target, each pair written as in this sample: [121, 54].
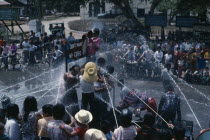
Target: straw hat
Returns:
[94, 134]
[84, 117]
[90, 73]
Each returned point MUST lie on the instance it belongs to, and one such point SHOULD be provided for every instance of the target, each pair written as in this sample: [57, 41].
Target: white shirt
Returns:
[168, 57]
[187, 46]
[58, 53]
[86, 86]
[124, 133]
[32, 48]
[181, 63]
[158, 56]
[12, 130]
[148, 55]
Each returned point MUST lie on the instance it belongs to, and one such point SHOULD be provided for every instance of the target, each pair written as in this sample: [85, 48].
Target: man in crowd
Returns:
[169, 106]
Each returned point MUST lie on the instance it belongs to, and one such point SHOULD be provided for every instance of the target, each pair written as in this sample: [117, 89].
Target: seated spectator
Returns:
[126, 131]
[179, 134]
[106, 129]
[94, 134]
[2, 135]
[54, 130]
[83, 117]
[30, 119]
[169, 106]
[12, 128]
[42, 123]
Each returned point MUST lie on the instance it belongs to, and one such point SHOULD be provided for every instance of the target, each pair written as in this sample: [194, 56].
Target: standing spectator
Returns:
[5, 55]
[187, 46]
[158, 55]
[180, 66]
[201, 62]
[70, 97]
[126, 131]
[30, 119]
[70, 39]
[87, 86]
[94, 45]
[12, 128]
[169, 107]
[2, 135]
[54, 130]
[25, 46]
[13, 48]
[94, 134]
[46, 42]
[32, 49]
[42, 123]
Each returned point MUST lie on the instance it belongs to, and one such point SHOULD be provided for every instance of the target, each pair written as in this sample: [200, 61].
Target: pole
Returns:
[6, 26]
[20, 27]
[12, 26]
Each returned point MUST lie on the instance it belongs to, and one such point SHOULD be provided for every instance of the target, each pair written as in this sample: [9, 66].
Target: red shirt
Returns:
[80, 131]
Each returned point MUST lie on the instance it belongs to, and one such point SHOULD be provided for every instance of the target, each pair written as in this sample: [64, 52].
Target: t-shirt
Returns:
[86, 86]
[158, 56]
[181, 63]
[124, 133]
[80, 131]
[168, 58]
[12, 130]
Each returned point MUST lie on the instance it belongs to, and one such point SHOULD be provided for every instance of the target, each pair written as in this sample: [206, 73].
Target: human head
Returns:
[101, 61]
[75, 69]
[90, 34]
[58, 111]
[149, 119]
[1, 128]
[120, 83]
[126, 118]
[179, 133]
[70, 33]
[110, 69]
[96, 32]
[12, 111]
[170, 87]
[47, 110]
[106, 126]
[29, 105]
[207, 68]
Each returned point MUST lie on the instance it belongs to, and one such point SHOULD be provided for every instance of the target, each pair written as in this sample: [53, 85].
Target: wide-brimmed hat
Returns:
[94, 134]
[90, 73]
[5, 101]
[84, 117]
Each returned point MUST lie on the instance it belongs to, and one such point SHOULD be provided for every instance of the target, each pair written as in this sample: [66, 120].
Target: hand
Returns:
[170, 126]
[62, 126]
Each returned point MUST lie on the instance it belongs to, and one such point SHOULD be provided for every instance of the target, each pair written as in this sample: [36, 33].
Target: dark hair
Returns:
[58, 111]
[101, 61]
[12, 111]
[106, 126]
[121, 82]
[149, 119]
[179, 133]
[89, 34]
[110, 69]
[29, 105]
[96, 32]
[48, 109]
[73, 68]
[170, 87]
[126, 118]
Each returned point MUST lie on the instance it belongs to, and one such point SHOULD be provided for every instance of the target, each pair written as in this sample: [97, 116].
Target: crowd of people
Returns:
[97, 118]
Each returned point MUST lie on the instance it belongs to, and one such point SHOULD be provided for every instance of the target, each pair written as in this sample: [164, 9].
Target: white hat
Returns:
[90, 73]
[84, 117]
[94, 134]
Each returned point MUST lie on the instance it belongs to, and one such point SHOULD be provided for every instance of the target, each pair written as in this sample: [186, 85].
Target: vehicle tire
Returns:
[44, 65]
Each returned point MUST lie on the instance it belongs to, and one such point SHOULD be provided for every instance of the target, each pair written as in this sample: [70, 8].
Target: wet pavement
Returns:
[45, 86]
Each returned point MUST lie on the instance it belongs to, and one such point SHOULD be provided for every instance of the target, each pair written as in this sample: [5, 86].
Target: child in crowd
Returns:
[83, 118]
[106, 129]
[2, 135]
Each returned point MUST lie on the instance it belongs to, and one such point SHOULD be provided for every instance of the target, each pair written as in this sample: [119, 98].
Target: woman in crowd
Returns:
[30, 119]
